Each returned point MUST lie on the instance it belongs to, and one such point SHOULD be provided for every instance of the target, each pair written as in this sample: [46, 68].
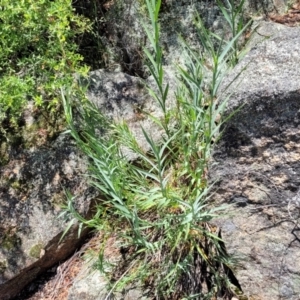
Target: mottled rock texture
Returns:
[31, 195]
[122, 97]
[258, 169]
[125, 37]
[90, 284]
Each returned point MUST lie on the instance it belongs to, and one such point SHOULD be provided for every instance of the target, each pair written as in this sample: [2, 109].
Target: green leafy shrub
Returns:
[38, 53]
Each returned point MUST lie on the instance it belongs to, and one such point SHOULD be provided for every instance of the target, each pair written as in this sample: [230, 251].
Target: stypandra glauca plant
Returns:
[233, 14]
[158, 205]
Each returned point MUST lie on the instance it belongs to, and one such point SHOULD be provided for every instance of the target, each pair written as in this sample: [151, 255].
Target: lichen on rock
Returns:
[36, 250]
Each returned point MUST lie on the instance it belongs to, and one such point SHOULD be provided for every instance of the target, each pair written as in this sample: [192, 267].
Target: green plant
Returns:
[233, 14]
[38, 53]
[159, 206]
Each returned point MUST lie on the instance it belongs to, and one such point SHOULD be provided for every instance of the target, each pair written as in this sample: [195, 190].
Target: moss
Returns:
[35, 250]
[16, 185]
[20, 187]
[58, 199]
[30, 135]
[4, 157]
[10, 241]
[3, 266]
[43, 130]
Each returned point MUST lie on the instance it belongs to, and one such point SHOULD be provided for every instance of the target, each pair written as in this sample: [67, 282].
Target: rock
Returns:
[91, 284]
[126, 94]
[122, 97]
[266, 6]
[257, 165]
[125, 33]
[31, 195]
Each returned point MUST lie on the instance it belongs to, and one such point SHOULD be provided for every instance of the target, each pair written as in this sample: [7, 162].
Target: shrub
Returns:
[38, 53]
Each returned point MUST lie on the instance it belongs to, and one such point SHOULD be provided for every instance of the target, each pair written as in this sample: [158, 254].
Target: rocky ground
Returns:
[56, 282]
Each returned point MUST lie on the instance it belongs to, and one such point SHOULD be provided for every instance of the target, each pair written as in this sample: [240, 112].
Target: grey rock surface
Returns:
[252, 205]
[257, 165]
[91, 284]
[31, 195]
[266, 6]
[122, 97]
[128, 38]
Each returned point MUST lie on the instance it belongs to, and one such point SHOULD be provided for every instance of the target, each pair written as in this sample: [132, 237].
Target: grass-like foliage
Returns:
[38, 53]
[235, 19]
[159, 205]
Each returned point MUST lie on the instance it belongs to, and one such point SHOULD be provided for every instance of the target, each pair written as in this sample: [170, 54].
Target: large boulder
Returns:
[122, 97]
[31, 194]
[125, 37]
[257, 167]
